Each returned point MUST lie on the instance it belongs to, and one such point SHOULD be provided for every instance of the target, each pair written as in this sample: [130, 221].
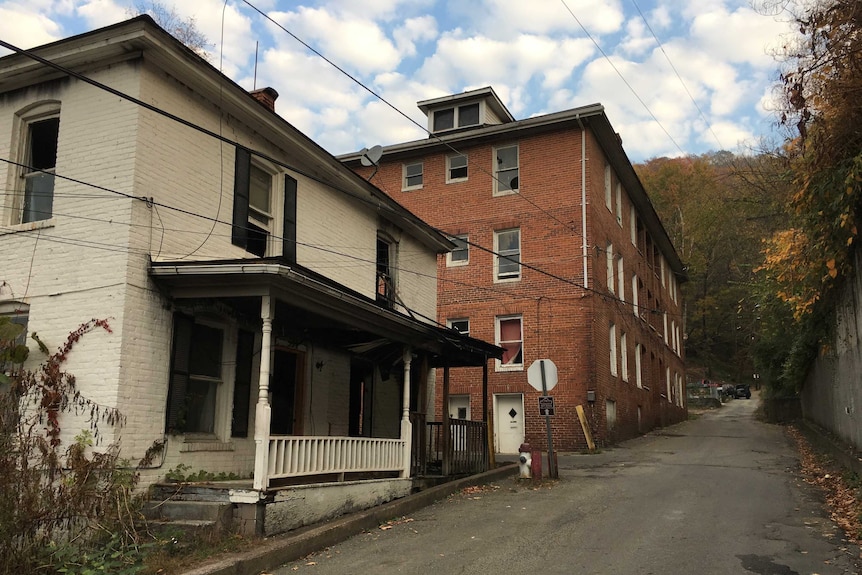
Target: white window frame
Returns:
[450, 261]
[405, 176]
[450, 167]
[608, 188]
[633, 227]
[638, 373]
[609, 263]
[498, 172]
[667, 382]
[619, 206]
[509, 275]
[456, 117]
[624, 356]
[512, 366]
[19, 175]
[635, 299]
[621, 280]
[451, 324]
[264, 219]
[612, 337]
[666, 341]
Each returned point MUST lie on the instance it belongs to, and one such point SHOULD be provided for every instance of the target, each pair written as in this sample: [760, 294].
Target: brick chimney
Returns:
[267, 97]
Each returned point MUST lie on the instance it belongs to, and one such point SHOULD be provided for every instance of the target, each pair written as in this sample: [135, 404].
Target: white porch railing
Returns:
[294, 456]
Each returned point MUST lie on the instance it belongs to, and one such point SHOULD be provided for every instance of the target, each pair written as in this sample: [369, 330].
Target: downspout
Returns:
[585, 248]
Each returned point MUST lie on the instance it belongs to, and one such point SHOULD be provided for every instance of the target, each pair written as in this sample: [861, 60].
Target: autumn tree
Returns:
[717, 208]
[808, 260]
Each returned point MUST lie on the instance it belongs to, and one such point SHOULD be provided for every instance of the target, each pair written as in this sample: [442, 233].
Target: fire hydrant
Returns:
[525, 461]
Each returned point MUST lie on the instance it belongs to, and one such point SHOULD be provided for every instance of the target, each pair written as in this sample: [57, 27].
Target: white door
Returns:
[509, 422]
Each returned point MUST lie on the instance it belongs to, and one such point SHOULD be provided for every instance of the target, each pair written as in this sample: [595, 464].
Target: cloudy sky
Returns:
[675, 76]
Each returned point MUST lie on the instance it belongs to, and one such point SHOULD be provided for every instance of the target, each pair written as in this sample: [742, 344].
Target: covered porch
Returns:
[330, 387]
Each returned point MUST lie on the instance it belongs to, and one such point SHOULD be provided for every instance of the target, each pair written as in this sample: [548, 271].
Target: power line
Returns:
[667, 57]
[397, 110]
[626, 82]
[210, 133]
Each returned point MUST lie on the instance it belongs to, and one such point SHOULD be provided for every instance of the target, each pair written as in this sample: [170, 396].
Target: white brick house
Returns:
[272, 312]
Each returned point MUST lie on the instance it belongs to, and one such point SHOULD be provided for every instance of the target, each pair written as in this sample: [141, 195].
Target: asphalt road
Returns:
[719, 494]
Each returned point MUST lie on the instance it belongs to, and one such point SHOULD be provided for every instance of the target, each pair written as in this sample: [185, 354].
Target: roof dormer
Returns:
[466, 110]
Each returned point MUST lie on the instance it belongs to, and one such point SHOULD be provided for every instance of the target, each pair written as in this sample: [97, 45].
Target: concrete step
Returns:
[195, 514]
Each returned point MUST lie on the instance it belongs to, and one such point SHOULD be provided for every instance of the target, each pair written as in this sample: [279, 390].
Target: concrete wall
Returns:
[304, 505]
[832, 393]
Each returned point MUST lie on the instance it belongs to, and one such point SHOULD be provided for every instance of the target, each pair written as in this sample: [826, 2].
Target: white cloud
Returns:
[413, 31]
[353, 43]
[98, 13]
[25, 29]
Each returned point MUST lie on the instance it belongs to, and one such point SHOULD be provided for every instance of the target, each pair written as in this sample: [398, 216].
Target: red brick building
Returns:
[560, 255]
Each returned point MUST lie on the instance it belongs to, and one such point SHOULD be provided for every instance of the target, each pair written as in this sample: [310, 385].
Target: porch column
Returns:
[446, 436]
[263, 412]
[406, 427]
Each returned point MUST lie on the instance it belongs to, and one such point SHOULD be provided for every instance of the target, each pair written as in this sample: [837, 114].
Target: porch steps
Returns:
[189, 517]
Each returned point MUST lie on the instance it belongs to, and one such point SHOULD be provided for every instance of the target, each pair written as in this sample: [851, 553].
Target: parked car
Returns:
[728, 390]
[743, 390]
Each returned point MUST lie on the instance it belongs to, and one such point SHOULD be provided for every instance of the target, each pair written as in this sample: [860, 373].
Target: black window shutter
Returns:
[242, 384]
[180, 355]
[288, 252]
[242, 173]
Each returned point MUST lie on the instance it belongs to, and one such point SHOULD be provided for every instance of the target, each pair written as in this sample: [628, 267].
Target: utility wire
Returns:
[398, 111]
[626, 82]
[667, 57]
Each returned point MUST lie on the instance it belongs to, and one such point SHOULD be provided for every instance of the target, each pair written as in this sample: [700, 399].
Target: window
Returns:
[256, 210]
[385, 272]
[259, 210]
[667, 382]
[608, 198]
[412, 176]
[663, 278]
[510, 337]
[506, 170]
[621, 280]
[609, 260]
[613, 353]
[624, 356]
[664, 316]
[635, 296]
[196, 375]
[461, 116]
[619, 205]
[633, 226]
[41, 129]
[507, 258]
[461, 325]
[242, 384]
[18, 313]
[456, 168]
[460, 256]
[638, 352]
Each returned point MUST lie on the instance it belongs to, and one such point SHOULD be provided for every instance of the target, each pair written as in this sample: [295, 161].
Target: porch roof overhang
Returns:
[344, 316]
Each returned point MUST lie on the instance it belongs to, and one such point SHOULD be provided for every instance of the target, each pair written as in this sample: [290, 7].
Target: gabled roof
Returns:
[141, 37]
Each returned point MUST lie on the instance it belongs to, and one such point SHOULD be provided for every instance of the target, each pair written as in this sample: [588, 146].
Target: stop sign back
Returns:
[534, 374]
